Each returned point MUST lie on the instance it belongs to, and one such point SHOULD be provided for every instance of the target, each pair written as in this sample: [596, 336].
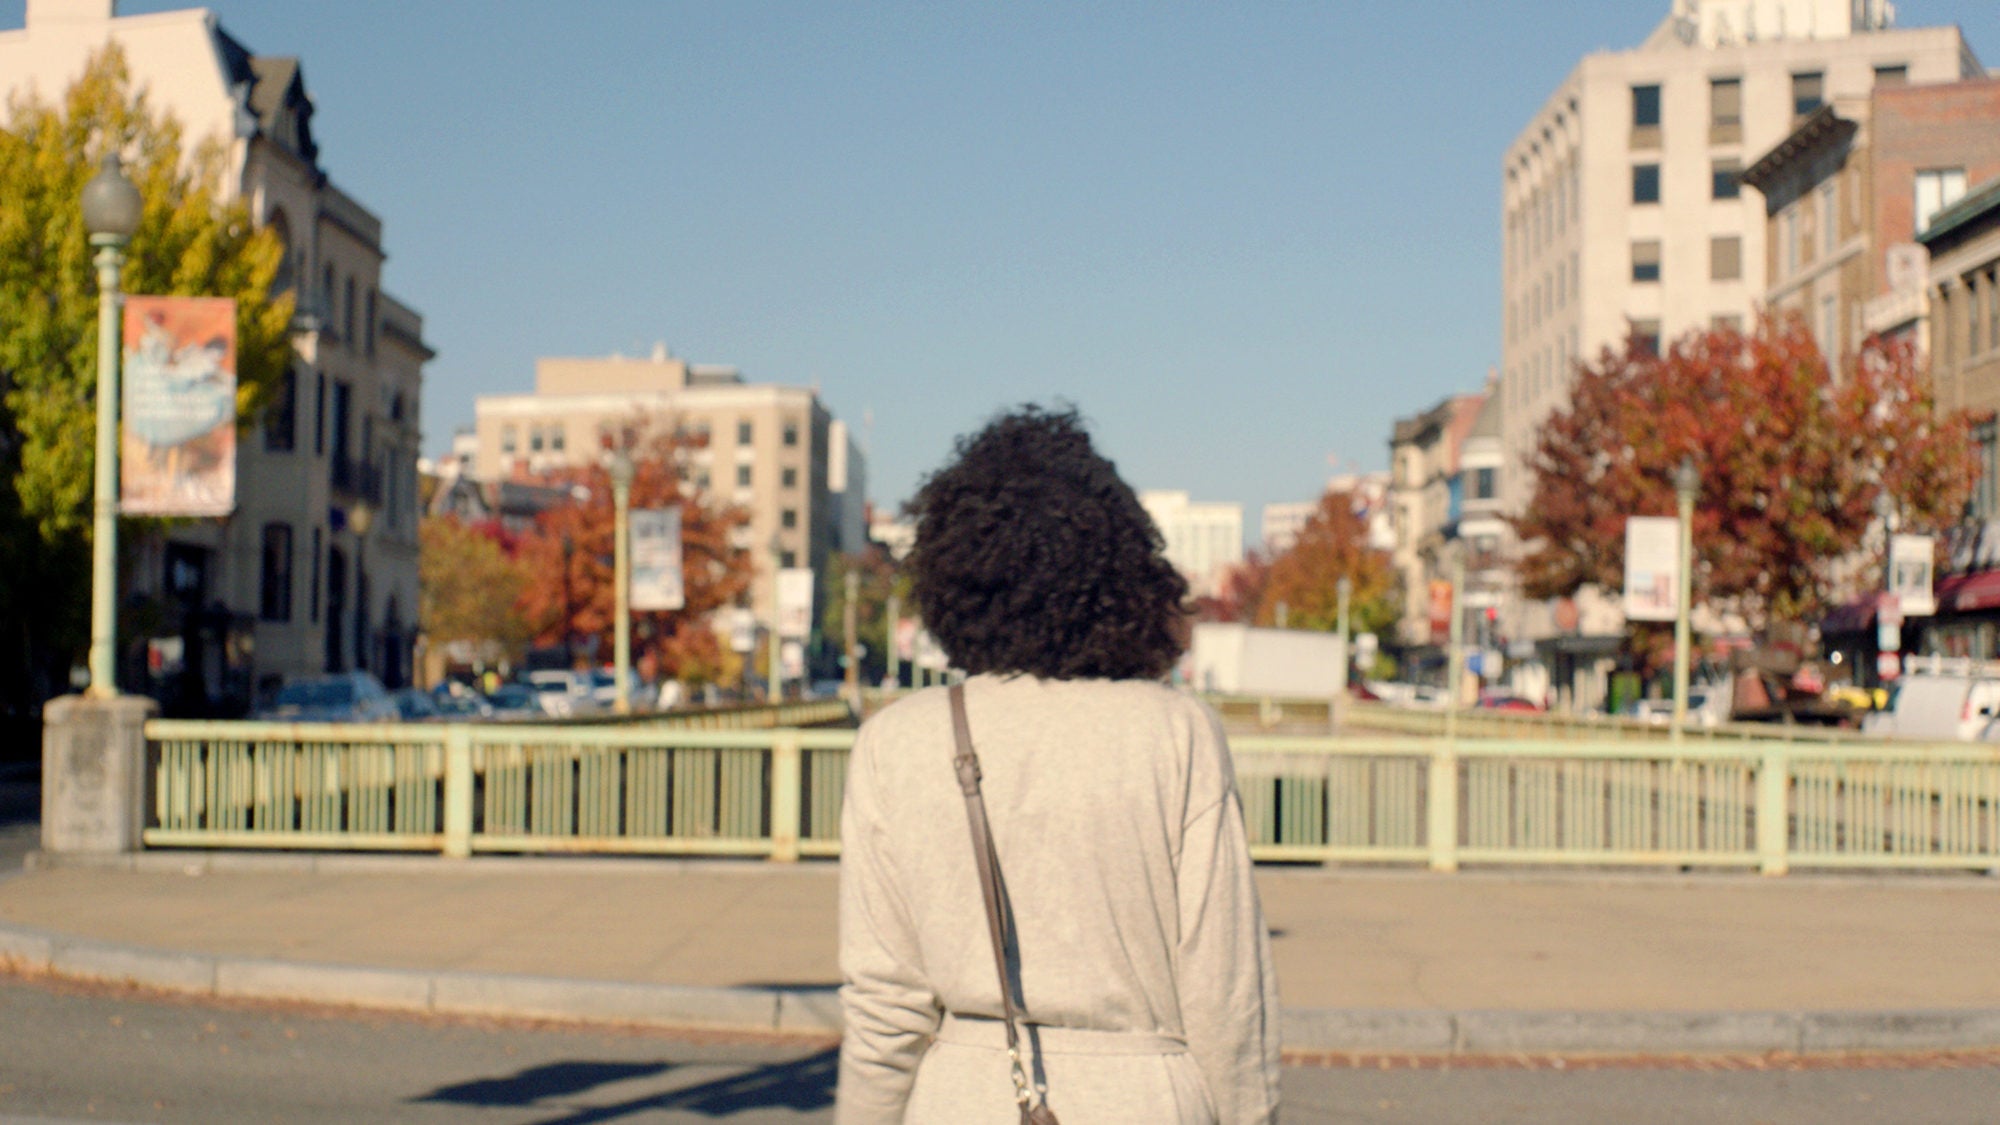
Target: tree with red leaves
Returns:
[570, 597]
[1236, 596]
[1792, 464]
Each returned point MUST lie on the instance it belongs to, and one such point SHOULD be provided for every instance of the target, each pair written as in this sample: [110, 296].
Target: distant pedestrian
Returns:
[1138, 957]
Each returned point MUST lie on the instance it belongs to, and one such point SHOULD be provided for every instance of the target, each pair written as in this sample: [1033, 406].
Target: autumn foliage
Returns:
[1333, 544]
[1792, 462]
[570, 596]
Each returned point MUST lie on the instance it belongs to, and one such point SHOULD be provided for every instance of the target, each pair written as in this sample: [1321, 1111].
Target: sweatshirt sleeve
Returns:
[1228, 990]
[889, 1009]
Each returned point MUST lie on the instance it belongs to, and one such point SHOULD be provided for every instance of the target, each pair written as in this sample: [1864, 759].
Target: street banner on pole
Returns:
[795, 602]
[1439, 606]
[1910, 574]
[656, 560]
[1652, 567]
[178, 453]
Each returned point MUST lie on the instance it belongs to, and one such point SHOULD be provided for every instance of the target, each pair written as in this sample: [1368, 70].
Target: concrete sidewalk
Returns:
[1390, 961]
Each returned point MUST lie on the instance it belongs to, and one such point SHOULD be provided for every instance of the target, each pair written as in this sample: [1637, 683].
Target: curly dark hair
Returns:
[1033, 556]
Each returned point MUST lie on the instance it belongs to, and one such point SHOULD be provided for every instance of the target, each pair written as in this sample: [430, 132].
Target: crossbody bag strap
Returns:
[966, 763]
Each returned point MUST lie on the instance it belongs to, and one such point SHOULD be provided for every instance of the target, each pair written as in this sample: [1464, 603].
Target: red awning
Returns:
[1964, 593]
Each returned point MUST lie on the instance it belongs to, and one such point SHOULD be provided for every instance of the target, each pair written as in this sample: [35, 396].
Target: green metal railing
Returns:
[466, 788]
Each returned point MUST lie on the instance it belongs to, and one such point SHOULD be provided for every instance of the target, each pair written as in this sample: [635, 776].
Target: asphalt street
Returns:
[92, 1054]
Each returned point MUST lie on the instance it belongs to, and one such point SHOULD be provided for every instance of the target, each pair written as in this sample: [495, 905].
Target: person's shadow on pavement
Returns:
[802, 1084]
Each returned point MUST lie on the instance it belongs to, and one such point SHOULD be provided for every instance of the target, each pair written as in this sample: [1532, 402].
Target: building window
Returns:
[788, 519]
[1936, 189]
[1975, 291]
[1892, 74]
[1726, 322]
[347, 313]
[1646, 116]
[281, 421]
[534, 439]
[1646, 261]
[319, 415]
[1808, 92]
[791, 434]
[510, 439]
[288, 261]
[274, 601]
[1726, 179]
[743, 476]
[1725, 257]
[1828, 328]
[368, 326]
[1986, 490]
[325, 309]
[313, 564]
[1993, 309]
[743, 432]
[1646, 337]
[1829, 217]
[1725, 110]
[1788, 238]
[1645, 183]
[1482, 484]
[789, 478]
[556, 438]
[787, 559]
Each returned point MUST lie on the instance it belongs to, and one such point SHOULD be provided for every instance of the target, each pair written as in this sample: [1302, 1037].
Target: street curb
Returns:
[816, 1011]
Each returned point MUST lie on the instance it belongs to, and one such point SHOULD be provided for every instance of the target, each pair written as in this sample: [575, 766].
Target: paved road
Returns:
[75, 1054]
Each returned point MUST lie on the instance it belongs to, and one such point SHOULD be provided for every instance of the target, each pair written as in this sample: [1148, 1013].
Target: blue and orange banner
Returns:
[177, 456]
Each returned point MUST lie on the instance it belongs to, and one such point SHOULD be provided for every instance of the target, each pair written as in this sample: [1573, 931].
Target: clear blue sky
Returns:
[1242, 238]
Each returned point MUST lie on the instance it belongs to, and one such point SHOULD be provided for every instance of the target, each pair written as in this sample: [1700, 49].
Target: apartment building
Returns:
[1622, 201]
[772, 450]
[1204, 538]
[316, 569]
[1426, 496]
[1848, 192]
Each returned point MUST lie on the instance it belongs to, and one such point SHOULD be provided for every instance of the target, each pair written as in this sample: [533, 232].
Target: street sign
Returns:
[1888, 665]
[1889, 623]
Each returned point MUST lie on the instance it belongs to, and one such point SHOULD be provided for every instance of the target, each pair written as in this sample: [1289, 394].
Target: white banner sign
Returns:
[795, 602]
[1652, 567]
[656, 560]
[1910, 574]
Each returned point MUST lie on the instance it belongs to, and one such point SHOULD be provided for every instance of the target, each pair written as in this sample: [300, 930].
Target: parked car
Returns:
[463, 704]
[517, 702]
[415, 705]
[604, 690]
[1502, 701]
[1949, 706]
[343, 697]
[562, 693]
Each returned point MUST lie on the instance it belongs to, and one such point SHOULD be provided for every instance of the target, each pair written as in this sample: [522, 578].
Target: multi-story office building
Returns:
[772, 450]
[1204, 538]
[1847, 193]
[316, 569]
[1963, 241]
[1621, 199]
[1624, 214]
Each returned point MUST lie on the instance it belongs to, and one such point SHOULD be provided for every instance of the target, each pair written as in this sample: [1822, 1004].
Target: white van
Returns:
[1940, 706]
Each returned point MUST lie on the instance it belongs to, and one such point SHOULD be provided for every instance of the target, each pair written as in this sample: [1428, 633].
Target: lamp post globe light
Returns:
[619, 465]
[111, 208]
[1687, 484]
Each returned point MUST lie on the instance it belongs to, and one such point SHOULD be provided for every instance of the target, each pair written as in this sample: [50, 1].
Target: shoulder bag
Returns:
[1033, 1097]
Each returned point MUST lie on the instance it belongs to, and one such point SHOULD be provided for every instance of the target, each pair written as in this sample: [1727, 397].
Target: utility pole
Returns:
[848, 621]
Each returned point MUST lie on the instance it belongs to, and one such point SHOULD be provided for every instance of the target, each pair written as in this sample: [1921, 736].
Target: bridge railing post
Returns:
[458, 791]
[1441, 830]
[787, 779]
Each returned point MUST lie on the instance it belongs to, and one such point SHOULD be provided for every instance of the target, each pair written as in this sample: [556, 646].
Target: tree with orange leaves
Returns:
[571, 598]
[1792, 461]
[1332, 545]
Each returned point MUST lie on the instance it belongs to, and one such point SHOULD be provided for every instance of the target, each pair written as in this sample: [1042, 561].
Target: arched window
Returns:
[347, 313]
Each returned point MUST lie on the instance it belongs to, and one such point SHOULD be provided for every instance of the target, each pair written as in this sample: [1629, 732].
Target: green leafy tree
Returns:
[191, 240]
[1794, 464]
[469, 587]
[879, 578]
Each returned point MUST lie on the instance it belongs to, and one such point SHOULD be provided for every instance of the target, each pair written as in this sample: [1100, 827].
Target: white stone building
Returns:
[316, 570]
[1204, 538]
